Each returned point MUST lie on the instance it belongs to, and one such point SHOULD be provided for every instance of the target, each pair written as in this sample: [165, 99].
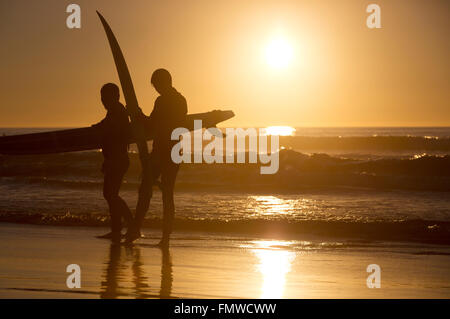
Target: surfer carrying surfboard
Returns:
[115, 131]
[169, 112]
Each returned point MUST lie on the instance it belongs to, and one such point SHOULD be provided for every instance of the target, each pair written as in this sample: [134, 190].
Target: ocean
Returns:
[361, 184]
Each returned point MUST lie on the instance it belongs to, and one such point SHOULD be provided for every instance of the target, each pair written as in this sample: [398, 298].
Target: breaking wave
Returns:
[296, 171]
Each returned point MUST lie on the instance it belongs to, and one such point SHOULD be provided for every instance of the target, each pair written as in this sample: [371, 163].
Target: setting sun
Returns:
[278, 53]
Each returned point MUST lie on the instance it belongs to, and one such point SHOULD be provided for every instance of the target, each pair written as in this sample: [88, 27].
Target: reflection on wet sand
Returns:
[274, 264]
[166, 274]
[139, 278]
[115, 276]
[109, 286]
[126, 274]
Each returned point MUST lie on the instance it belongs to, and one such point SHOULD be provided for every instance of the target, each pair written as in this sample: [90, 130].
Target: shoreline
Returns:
[414, 231]
[208, 265]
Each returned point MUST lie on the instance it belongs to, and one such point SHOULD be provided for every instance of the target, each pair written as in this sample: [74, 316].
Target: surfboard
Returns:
[128, 92]
[87, 138]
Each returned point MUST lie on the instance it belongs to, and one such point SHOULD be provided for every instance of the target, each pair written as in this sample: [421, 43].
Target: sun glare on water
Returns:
[280, 130]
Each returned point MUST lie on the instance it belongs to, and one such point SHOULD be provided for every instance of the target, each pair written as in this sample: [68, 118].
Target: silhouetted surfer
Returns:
[168, 113]
[115, 130]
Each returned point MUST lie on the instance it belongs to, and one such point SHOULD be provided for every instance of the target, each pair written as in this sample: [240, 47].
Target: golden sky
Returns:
[340, 73]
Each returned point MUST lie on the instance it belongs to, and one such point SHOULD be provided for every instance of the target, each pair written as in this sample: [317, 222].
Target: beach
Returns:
[33, 261]
[375, 196]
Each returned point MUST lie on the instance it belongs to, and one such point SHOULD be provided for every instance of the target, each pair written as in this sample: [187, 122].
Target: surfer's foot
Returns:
[132, 235]
[116, 238]
[113, 236]
[109, 235]
[164, 243]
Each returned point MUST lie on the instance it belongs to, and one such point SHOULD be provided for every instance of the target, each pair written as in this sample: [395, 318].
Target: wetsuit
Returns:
[115, 130]
[168, 113]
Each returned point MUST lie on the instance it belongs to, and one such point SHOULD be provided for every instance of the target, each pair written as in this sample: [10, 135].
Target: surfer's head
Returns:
[161, 80]
[110, 94]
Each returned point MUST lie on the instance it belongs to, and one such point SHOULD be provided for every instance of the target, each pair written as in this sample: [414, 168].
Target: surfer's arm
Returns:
[139, 116]
[155, 115]
[108, 124]
[99, 124]
[139, 113]
[114, 128]
[184, 108]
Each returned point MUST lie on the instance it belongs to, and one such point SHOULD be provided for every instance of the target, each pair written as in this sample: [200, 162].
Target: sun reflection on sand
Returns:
[274, 264]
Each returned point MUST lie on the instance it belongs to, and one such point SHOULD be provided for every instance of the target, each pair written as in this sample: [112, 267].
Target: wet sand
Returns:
[33, 261]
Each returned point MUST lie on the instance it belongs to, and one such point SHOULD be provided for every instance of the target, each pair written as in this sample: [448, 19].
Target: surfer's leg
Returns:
[122, 206]
[149, 173]
[111, 188]
[168, 177]
[125, 211]
[144, 196]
